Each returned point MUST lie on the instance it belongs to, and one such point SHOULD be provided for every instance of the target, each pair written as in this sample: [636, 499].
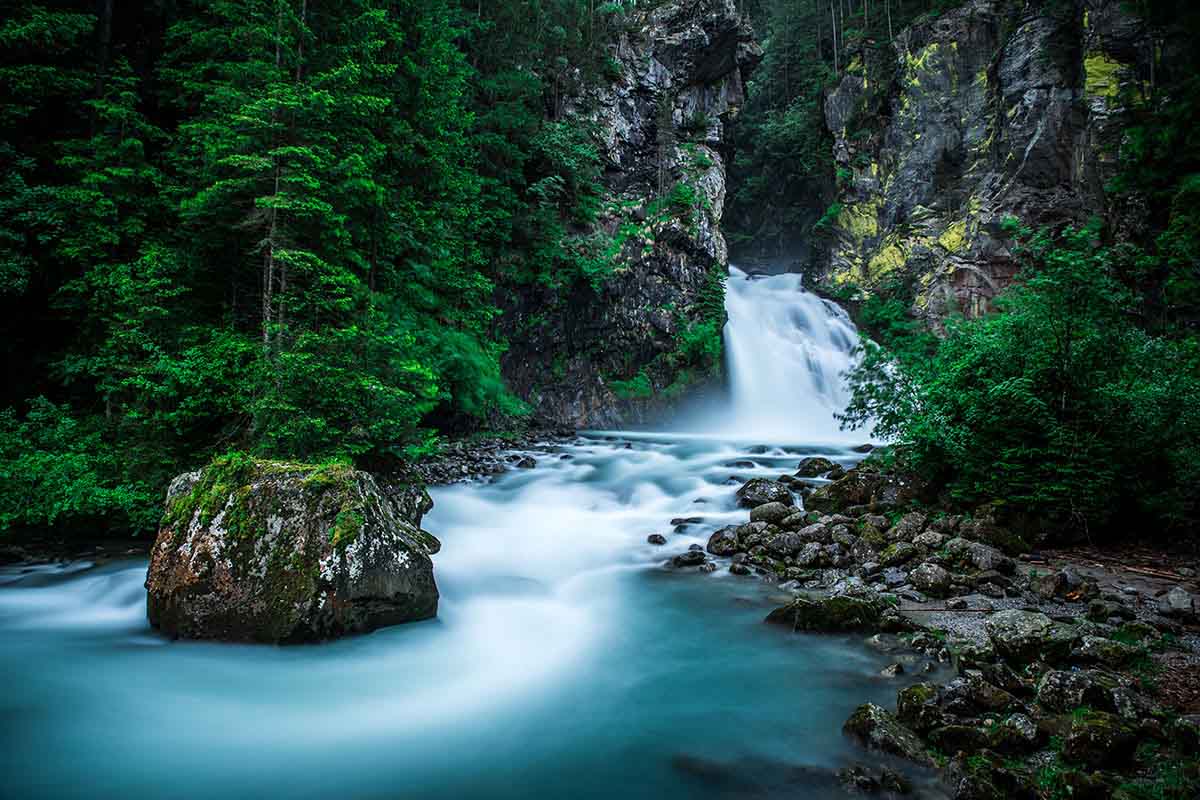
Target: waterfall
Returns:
[787, 352]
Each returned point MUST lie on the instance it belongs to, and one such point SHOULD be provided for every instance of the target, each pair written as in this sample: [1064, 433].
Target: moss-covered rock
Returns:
[874, 728]
[1099, 740]
[270, 551]
[829, 614]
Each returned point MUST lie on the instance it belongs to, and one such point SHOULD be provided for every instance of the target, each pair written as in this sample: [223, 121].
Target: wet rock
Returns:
[689, 558]
[917, 707]
[526, 462]
[811, 555]
[1099, 740]
[773, 512]
[987, 776]
[760, 491]
[892, 670]
[708, 566]
[863, 486]
[872, 727]
[931, 579]
[814, 467]
[894, 578]
[267, 551]
[739, 569]
[828, 614]
[656, 538]
[1024, 636]
[723, 542]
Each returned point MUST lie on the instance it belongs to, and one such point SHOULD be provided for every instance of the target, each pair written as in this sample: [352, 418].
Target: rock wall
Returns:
[611, 356]
[997, 109]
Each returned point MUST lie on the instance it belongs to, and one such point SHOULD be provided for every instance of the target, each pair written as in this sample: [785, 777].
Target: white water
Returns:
[565, 660]
[787, 353]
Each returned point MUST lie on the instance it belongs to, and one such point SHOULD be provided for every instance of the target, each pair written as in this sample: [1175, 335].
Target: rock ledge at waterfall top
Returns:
[268, 551]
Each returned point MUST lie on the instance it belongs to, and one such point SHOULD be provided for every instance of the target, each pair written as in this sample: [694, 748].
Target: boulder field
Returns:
[1014, 681]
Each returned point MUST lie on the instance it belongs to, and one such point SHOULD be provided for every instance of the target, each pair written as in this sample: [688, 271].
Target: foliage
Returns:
[278, 226]
[1058, 403]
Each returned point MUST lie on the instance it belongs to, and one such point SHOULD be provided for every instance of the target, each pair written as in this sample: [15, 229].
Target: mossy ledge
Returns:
[279, 551]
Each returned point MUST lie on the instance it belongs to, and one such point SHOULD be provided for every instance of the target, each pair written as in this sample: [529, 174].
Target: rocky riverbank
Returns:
[1067, 679]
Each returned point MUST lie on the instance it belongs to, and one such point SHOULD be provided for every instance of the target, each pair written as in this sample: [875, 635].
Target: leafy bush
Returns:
[1058, 403]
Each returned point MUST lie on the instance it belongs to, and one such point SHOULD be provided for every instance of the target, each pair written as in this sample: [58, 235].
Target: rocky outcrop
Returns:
[615, 353]
[267, 551]
[996, 109]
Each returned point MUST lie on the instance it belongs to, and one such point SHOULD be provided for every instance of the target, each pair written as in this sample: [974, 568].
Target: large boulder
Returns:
[724, 542]
[267, 551]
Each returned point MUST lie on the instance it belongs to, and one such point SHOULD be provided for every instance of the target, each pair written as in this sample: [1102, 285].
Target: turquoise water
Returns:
[566, 661]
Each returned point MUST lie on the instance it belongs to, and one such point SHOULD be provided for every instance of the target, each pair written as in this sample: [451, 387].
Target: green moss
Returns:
[219, 480]
[346, 527]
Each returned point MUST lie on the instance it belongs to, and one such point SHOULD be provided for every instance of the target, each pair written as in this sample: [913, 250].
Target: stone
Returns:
[689, 558]
[1062, 691]
[814, 467]
[979, 555]
[268, 551]
[526, 462]
[708, 566]
[930, 540]
[835, 614]
[656, 538]
[773, 512]
[1099, 740]
[811, 555]
[739, 569]
[760, 491]
[1025, 636]
[917, 707]
[1016, 734]
[892, 670]
[1106, 652]
[931, 579]
[1177, 604]
[723, 542]
[908, 527]
[897, 553]
[872, 727]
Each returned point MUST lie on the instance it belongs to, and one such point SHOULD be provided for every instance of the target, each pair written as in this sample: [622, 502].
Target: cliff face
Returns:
[993, 110]
[617, 353]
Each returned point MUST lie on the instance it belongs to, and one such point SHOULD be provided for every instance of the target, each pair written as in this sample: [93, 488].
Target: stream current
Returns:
[565, 661]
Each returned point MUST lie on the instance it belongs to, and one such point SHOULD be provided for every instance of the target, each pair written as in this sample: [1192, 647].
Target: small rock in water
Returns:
[656, 538]
[691, 558]
[708, 566]
[526, 462]
[958, 604]
[892, 670]
[739, 569]
[695, 547]
[687, 520]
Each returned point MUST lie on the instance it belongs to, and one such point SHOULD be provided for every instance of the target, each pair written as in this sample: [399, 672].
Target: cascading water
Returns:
[565, 660]
[787, 351]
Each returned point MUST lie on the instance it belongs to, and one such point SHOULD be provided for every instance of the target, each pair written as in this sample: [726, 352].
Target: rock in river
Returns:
[270, 551]
[759, 491]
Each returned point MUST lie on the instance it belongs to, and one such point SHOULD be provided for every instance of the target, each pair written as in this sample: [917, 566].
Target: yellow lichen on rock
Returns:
[860, 220]
[954, 238]
[890, 258]
[1102, 75]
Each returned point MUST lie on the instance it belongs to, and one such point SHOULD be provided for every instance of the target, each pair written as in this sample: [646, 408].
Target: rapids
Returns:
[565, 660]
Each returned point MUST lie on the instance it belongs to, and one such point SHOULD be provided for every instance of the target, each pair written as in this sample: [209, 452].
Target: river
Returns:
[565, 661]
